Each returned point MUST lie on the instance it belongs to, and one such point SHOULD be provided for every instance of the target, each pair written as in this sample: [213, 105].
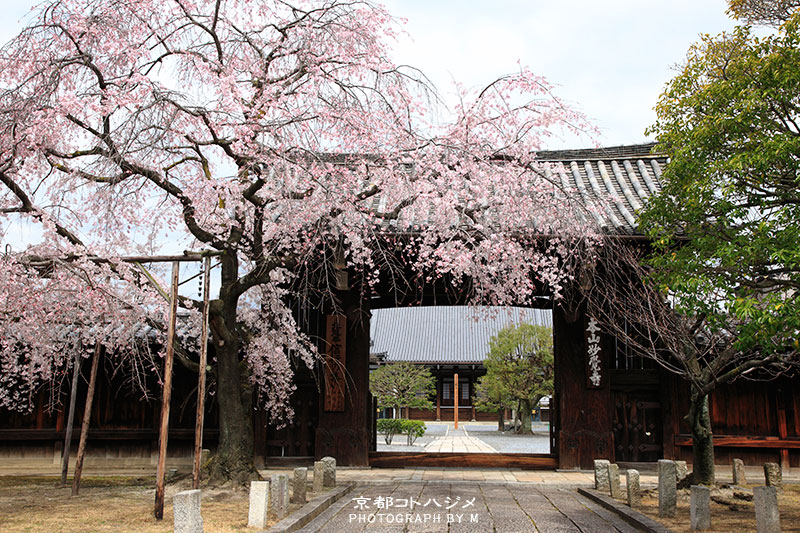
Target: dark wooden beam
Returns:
[744, 441]
[526, 461]
[102, 434]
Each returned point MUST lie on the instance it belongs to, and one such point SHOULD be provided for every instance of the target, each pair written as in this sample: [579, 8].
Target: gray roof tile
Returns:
[444, 334]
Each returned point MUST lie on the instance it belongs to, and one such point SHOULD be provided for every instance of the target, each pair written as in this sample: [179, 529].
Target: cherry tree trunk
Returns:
[234, 458]
[699, 419]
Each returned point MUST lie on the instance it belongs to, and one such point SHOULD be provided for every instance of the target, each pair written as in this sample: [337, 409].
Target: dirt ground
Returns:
[109, 504]
[736, 514]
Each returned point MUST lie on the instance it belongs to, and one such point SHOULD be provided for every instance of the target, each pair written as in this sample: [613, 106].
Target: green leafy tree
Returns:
[519, 371]
[402, 385]
[724, 227]
[768, 12]
[491, 395]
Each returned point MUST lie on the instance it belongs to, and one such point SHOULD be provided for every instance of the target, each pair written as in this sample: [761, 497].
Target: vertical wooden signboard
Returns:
[455, 401]
[595, 373]
[336, 333]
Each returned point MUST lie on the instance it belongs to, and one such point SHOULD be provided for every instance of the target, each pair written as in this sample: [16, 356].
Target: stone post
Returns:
[299, 481]
[328, 472]
[768, 519]
[279, 496]
[601, 474]
[739, 477]
[700, 508]
[681, 470]
[186, 512]
[259, 504]
[613, 480]
[632, 484]
[667, 488]
[772, 475]
[317, 487]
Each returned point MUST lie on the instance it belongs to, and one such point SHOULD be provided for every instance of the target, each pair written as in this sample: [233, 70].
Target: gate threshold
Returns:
[525, 461]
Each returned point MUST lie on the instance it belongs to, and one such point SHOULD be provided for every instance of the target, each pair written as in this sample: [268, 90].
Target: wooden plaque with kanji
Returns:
[336, 332]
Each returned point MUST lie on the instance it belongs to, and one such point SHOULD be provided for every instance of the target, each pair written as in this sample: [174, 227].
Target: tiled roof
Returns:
[444, 334]
[620, 178]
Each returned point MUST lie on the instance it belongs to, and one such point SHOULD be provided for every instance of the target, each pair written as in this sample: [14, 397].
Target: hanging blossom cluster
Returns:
[274, 133]
[49, 313]
[274, 335]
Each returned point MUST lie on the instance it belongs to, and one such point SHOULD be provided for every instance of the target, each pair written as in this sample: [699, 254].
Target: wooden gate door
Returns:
[637, 426]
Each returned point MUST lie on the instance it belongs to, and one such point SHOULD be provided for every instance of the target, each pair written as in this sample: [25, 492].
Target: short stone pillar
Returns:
[768, 518]
[667, 488]
[700, 508]
[601, 474]
[259, 504]
[205, 457]
[613, 481]
[632, 485]
[186, 512]
[317, 486]
[739, 478]
[299, 481]
[278, 496]
[328, 472]
[772, 475]
[681, 470]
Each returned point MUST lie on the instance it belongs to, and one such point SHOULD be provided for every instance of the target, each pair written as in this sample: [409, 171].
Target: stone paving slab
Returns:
[458, 441]
[466, 508]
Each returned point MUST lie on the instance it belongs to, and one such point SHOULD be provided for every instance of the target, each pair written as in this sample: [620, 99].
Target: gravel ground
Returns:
[538, 442]
[510, 443]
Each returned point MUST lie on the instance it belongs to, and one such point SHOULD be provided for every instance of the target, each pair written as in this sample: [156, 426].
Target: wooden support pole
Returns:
[158, 510]
[201, 377]
[455, 400]
[438, 396]
[87, 414]
[73, 396]
[472, 393]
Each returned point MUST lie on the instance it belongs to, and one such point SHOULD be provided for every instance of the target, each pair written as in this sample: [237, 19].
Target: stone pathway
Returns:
[465, 507]
[458, 441]
[548, 478]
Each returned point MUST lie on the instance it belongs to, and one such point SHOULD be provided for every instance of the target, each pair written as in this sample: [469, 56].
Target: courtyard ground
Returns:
[108, 503]
[472, 437]
[504, 500]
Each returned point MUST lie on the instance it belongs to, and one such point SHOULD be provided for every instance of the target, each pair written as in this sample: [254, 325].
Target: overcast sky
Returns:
[610, 58]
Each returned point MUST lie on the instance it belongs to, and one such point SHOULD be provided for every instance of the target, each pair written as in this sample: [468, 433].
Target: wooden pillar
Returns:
[201, 377]
[166, 395]
[670, 419]
[438, 396]
[472, 393]
[345, 434]
[782, 429]
[76, 372]
[584, 413]
[87, 415]
[455, 400]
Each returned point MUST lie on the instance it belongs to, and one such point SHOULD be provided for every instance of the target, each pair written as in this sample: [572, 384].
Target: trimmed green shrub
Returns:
[413, 429]
[390, 427]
